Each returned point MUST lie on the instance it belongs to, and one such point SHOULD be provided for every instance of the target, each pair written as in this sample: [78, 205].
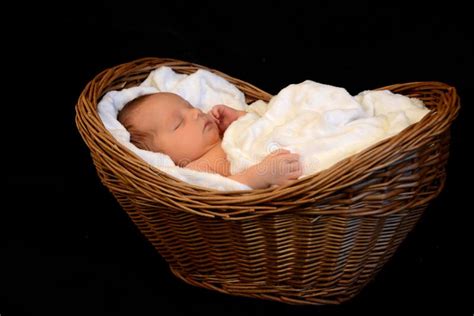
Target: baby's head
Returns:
[165, 122]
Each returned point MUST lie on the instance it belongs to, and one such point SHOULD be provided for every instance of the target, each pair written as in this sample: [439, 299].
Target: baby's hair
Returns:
[138, 137]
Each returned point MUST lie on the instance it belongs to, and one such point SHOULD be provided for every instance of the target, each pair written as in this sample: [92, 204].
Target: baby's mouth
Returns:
[209, 121]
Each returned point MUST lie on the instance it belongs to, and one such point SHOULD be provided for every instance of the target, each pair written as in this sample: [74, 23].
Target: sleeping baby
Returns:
[165, 122]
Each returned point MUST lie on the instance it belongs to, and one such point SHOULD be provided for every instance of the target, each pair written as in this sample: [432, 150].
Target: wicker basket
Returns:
[316, 241]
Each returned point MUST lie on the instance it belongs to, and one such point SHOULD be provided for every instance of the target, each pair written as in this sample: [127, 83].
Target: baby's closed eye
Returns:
[180, 122]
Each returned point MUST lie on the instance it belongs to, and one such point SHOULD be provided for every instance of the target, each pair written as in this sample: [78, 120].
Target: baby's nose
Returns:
[195, 113]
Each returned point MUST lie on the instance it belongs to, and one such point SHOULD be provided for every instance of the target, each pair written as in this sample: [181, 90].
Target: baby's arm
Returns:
[278, 168]
[225, 115]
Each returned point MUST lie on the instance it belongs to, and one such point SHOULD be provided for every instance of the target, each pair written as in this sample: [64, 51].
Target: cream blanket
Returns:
[322, 123]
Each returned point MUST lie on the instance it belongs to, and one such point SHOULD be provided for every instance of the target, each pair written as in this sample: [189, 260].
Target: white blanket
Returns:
[322, 123]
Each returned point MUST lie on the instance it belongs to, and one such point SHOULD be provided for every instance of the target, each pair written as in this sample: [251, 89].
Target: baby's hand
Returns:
[280, 167]
[224, 116]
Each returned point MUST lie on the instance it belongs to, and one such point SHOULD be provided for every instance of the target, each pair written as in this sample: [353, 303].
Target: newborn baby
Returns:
[164, 122]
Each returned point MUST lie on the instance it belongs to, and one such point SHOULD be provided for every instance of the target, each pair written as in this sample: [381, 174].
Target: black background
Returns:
[66, 246]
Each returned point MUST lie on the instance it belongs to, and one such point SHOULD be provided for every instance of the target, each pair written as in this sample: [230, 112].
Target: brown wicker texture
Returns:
[316, 241]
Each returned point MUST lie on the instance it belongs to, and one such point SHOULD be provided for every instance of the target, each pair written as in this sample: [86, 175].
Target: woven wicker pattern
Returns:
[316, 241]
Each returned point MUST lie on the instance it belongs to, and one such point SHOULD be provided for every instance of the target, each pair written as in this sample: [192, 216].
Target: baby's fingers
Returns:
[289, 158]
[295, 174]
[286, 168]
[293, 157]
[294, 166]
[214, 113]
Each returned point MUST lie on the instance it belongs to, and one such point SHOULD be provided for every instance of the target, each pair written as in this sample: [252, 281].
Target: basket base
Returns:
[261, 290]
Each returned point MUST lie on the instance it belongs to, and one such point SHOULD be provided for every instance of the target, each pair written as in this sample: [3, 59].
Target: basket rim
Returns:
[338, 176]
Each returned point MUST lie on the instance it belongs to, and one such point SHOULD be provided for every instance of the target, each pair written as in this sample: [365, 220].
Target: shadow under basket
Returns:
[319, 240]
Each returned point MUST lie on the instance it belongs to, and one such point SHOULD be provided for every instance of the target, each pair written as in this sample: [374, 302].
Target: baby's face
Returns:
[181, 131]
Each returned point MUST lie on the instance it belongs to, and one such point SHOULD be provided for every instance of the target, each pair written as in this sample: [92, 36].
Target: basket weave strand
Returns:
[318, 240]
